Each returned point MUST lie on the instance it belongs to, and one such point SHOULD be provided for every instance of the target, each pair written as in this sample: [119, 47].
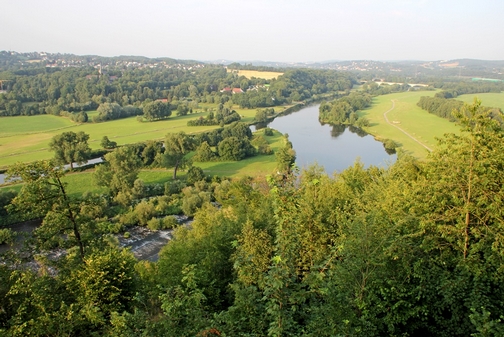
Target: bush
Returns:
[128, 219]
[268, 132]
[169, 222]
[204, 153]
[154, 224]
[361, 122]
[193, 200]
[173, 187]
[195, 174]
[144, 211]
[7, 236]
[235, 149]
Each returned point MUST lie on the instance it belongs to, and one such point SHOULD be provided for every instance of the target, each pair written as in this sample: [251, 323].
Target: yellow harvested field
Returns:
[267, 75]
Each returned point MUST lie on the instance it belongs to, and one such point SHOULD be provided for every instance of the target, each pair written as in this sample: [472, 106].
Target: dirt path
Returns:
[400, 129]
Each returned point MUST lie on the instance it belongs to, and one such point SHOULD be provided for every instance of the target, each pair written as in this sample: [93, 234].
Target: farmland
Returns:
[26, 138]
[267, 75]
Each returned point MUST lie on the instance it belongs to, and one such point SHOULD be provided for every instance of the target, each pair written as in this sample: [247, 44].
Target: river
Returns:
[333, 147]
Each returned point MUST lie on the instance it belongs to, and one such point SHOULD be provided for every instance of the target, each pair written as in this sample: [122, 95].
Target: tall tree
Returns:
[177, 146]
[44, 194]
[70, 147]
[286, 156]
[119, 173]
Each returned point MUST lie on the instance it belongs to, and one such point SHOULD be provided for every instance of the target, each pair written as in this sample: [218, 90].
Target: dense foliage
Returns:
[344, 110]
[442, 106]
[118, 91]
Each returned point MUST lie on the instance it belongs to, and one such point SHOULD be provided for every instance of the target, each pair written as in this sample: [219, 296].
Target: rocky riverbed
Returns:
[143, 243]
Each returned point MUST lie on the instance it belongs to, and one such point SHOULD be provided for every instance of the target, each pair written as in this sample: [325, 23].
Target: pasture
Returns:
[254, 166]
[402, 112]
[490, 99]
[267, 75]
[26, 138]
[261, 165]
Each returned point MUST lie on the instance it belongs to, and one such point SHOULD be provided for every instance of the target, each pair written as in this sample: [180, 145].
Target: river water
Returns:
[333, 147]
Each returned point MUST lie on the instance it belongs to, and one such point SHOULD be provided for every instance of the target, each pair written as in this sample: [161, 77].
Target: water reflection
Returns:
[337, 130]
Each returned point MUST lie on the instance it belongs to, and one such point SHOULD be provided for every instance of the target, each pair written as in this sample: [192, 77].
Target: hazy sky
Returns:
[268, 30]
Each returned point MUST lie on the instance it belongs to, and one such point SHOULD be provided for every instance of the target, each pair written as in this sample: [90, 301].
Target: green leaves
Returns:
[70, 147]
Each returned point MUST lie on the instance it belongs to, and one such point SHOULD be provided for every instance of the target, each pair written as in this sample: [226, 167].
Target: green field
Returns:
[23, 125]
[494, 100]
[26, 138]
[80, 182]
[254, 166]
[421, 125]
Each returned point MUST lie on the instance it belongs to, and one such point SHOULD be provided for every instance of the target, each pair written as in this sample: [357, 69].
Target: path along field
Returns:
[412, 128]
[26, 138]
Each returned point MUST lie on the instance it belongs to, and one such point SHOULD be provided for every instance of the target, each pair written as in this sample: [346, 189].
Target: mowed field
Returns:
[26, 138]
[494, 100]
[267, 75]
[261, 165]
[403, 113]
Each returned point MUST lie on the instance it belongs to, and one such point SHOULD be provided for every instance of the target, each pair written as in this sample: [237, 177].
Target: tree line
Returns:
[80, 89]
[343, 110]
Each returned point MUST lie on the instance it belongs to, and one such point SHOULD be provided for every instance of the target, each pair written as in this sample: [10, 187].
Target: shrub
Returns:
[268, 132]
[154, 224]
[144, 211]
[173, 187]
[7, 236]
[195, 174]
[169, 222]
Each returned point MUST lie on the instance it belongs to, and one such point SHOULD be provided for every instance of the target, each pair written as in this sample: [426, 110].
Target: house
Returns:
[237, 91]
[226, 89]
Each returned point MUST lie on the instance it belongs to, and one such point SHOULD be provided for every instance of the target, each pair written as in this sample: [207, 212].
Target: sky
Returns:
[253, 30]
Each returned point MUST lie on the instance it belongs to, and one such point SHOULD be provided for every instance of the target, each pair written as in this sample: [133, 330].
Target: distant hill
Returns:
[460, 68]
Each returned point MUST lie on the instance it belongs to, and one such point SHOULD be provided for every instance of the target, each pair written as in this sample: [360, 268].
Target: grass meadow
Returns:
[26, 138]
[80, 182]
[408, 116]
[491, 99]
